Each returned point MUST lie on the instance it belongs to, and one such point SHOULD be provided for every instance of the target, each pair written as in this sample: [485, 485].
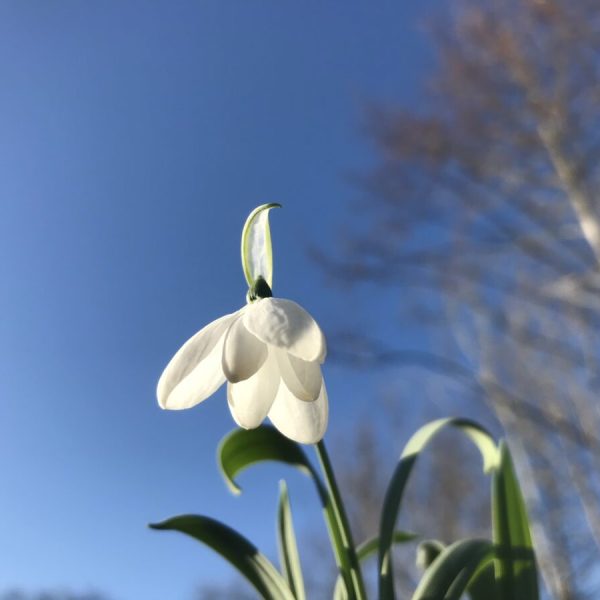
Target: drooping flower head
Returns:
[270, 353]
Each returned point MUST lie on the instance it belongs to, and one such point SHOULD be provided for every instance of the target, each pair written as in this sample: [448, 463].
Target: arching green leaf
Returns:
[483, 583]
[449, 574]
[244, 447]
[395, 492]
[236, 549]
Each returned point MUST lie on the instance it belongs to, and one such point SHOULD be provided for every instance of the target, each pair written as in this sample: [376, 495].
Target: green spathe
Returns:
[257, 254]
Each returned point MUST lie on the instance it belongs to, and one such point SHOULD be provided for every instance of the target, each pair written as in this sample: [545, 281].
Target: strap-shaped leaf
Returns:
[244, 447]
[449, 574]
[515, 567]
[395, 491]
[288, 549]
[236, 549]
[367, 549]
[257, 255]
[483, 583]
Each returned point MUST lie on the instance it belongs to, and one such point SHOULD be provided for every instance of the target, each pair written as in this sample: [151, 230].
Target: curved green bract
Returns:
[515, 568]
[288, 549]
[449, 574]
[257, 254]
[244, 447]
[236, 549]
[395, 491]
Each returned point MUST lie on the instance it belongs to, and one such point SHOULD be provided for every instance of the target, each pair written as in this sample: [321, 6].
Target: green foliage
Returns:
[502, 568]
[427, 552]
[236, 549]
[450, 572]
[395, 492]
[242, 448]
[515, 568]
[288, 549]
[368, 549]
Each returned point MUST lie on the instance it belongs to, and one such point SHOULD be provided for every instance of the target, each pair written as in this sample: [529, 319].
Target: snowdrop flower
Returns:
[270, 353]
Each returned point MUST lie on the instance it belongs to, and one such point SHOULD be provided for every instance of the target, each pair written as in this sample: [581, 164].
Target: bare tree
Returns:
[484, 208]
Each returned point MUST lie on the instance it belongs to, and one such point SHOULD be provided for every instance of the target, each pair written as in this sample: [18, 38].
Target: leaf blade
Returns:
[449, 574]
[515, 568]
[395, 492]
[367, 549]
[234, 548]
[288, 548]
[242, 448]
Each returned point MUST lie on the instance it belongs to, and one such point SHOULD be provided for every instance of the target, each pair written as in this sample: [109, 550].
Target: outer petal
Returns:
[250, 400]
[303, 422]
[302, 378]
[287, 325]
[195, 372]
[243, 353]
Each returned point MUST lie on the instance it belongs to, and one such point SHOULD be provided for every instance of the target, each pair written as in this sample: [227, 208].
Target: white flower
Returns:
[270, 353]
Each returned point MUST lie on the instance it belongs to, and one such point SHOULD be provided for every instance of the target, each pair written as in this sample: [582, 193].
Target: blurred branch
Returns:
[484, 210]
[378, 357]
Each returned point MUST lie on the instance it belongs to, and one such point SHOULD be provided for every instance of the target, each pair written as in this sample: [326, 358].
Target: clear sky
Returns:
[135, 137]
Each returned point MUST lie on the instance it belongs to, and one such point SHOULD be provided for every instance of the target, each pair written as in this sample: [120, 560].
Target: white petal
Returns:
[303, 378]
[243, 353]
[251, 399]
[195, 372]
[287, 325]
[303, 422]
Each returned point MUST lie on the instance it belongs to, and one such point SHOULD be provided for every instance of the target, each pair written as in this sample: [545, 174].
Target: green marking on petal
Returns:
[257, 255]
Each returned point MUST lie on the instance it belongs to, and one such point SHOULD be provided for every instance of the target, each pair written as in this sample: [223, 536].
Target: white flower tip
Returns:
[195, 372]
[162, 390]
[162, 401]
[303, 422]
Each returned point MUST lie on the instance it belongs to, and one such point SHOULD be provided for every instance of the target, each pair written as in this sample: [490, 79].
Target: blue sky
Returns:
[135, 137]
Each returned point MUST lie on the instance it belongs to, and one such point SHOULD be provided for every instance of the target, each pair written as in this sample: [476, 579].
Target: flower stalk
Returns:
[348, 556]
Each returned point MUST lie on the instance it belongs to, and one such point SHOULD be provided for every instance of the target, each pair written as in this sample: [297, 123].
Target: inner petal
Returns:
[302, 378]
[250, 400]
[243, 353]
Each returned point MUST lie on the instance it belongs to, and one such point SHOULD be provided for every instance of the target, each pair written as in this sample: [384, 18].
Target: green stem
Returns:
[349, 558]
